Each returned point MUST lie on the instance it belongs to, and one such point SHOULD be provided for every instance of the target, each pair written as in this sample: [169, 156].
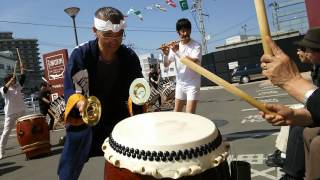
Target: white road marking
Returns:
[284, 94]
[263, 173]
[270, 100]
[257, 159]
[267, 92]
[267, 89]
[252, 119]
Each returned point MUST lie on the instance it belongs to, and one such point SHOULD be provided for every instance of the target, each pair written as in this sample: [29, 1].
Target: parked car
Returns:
[247, 73]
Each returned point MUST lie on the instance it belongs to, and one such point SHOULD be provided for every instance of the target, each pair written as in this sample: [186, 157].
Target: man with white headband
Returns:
[103, 68]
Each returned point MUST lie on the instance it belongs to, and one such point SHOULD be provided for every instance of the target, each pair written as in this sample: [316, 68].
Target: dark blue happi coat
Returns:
[110, 84]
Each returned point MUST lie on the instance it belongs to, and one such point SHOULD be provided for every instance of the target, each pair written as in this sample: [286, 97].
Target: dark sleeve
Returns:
[135, 64]
[313, 105]
[149, 77]
[5, 89]
[40, 96]
[22, 79]
[136, 72]
[71, 68]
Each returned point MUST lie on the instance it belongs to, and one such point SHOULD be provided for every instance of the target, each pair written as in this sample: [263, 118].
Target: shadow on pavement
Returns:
[6, 164]
[17, 154]
[9, 169]
[219, 123]
[56, 151]
[51, 153]
[12, 147]
[56, 145]
[249, 134]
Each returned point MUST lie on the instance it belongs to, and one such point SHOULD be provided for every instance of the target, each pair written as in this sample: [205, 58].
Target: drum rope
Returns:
[166, 156]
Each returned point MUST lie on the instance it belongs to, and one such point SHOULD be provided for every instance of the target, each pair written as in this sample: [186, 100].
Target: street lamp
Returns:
[72, 12]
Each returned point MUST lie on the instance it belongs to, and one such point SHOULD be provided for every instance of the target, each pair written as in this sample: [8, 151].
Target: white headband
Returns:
[102, 25]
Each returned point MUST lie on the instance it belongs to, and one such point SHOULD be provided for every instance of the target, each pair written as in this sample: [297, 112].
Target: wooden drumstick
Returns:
[15, 69]
[19, 57]
[263, 24]
[229, 87]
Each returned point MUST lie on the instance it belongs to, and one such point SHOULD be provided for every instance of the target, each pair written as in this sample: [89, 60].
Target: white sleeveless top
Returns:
[13, 100]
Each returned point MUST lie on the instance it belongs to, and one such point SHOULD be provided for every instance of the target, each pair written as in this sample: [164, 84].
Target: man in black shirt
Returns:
[44, 102]
[154, 79]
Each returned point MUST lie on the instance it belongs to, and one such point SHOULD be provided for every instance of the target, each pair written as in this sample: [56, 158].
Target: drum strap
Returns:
[72, 101]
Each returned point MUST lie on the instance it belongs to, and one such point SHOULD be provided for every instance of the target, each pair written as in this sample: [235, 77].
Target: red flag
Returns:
[171, 3]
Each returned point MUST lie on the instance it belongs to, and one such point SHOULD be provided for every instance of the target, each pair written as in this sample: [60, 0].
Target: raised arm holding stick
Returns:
[20, 62]
[303, 144]
[14, 104]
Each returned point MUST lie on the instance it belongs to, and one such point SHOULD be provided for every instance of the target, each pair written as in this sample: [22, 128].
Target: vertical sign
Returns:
[54, 68]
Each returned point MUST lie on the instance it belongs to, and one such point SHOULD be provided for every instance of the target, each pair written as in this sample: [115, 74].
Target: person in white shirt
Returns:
[14, 106]
[187, 81]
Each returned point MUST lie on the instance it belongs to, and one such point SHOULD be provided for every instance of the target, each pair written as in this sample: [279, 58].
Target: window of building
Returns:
[1, 66]
[8, 67]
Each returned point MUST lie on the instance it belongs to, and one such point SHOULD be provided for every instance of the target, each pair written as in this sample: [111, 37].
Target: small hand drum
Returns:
[139, 91]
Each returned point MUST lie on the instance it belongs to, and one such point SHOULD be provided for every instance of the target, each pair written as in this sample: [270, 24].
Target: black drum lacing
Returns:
[164, 156]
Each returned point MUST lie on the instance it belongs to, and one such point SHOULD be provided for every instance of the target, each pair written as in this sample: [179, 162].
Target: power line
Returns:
[50, 44]
[197, 7]
[80, 27]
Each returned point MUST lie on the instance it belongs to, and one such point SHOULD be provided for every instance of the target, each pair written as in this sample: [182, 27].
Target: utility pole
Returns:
[244, 27]
[275, 17]
[197, 7]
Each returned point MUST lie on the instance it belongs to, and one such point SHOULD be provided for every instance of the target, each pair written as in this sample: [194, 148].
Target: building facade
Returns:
[227, 57]
[29, 52]
[6, 64]
[289, 15]
[147, 61]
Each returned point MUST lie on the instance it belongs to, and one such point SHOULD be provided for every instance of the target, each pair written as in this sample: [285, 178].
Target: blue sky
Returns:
[225, 19]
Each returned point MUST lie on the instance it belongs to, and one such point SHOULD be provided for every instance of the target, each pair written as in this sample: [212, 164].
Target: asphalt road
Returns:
[250, 137]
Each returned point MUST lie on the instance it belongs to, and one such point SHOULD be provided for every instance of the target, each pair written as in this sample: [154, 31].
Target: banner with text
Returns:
[54, 66]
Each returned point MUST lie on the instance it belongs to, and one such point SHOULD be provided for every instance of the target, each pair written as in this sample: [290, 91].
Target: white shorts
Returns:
[187, 92]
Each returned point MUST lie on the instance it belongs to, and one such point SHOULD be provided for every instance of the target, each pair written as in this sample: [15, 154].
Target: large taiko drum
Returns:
[33, 135]
[165, 145]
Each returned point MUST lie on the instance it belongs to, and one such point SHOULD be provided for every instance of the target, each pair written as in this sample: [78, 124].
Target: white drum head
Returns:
[165, 144]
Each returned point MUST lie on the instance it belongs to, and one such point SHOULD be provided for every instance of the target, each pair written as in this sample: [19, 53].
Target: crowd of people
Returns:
[103, 58]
